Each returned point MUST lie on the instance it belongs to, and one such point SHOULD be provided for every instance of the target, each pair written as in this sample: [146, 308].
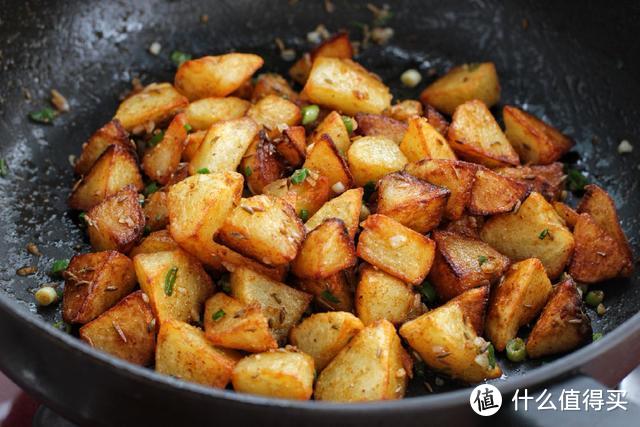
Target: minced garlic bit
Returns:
[411, 78]
[397, 240]
[33, 249]
[59, 101]
[320, 33]
[625, 147]
[286, 54]
[46, 295]
[155, 48]
[26, 271]
[381, 35]
[338, 187]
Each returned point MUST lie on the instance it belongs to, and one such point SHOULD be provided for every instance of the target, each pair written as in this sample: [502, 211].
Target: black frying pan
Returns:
[575, 64]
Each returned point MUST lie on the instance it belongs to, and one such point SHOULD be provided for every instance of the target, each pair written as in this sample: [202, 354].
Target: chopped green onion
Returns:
[155, 139]
[482, 259]
[491, 356]
[299, 176]
[218, 315]
[248, 171]
[544, 233]
[63, 326]
[59, 266]
[576, 180]
[594, 298]
[188, 127]
[304, 214]
[597, 336]
[310, 114]
[326, 295]
[150, 189]
[428, 292]
[179, 58]
[516, 350]
[82, 216]
[4, 169]
[348, 123]
[46, 115]
[203, 170]
[170, 280]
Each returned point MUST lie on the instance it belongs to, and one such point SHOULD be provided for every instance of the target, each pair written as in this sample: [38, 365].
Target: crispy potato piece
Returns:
[183, 352]
[265, 228]
[493, 194]
[282, 305]
[346, 207]
[372, 157]
[462, 263]
[274, 112]
[201, 114]
[534, 231]
[396, 249]
[156, 215]
[244, 91]
[230, 260]
[261, 164]
[563, 324]
[175, 282]
[324, 157]
[110, 134]
[516, 301]
[116, 223]
[211, 76]
[547, 180]
[191, 146]
[381, 125]
[127, 330]
[300, 69]
[327, 250]
[273, 84]
[406, 109]
[566, 213]
[455, 176]
[332, 293]
[323, 335]
[162, 160]
[158, 241]
[286, 374]
[370, 367]
[467, 225]
[410, 201]
[536, 142]
[381, 296]
[309, 195]
[448, 340]
[231, 324]
[116, 169]
[475, 136]
[437, 120]
[334, 126]
[156, 103]
[292, 146]
[423, 141]
[95, 282]
[180, 174]
[337, 46]
[224, 145]
[461, 84]
[344, 85]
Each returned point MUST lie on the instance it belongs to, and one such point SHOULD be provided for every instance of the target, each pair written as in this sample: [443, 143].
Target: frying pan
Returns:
[574, 64]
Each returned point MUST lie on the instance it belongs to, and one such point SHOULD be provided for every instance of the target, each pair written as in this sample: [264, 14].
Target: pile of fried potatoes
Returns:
[283, 242]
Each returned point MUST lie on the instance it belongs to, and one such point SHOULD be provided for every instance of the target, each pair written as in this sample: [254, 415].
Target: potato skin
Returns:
[156, 214]
[547, 180]
[423, 141]
[346, 207]
[157, 241]
[110, 134]
[156, 103]
[382, 126]
[325, 158]
[372, 157]
[331, 293]
[493, 194]
[261, 164]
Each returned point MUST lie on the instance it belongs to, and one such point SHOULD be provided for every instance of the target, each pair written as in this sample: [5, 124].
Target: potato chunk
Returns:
[346, 207]
[461, 84]
[462, 263]
[162, 160]
[435, 119]
[323, 335]
[475, 136]
[175, 282]
[534, 231]
[156, 103]
[158, 241]
[156, 215]
[274, 113]
[231, 324]
[194, 140]
[286, 374]
[567, 214]
[516, 301]
[308, 196]
[332, 293]
[410, 201]
[423, 141]
[292, 145]
[563, 324]
[536, 142]
[334, 126]
[273, 84]
[372, 157]
[127, 330]
[203, 113]
[344, 85]
[110, 134]
[406, 109]
[325, 158]
[448, 340]
[116, 223]
[381, 126]
[183, 352]
[396, 249]
[493, 194]
[215, 75]
[265, 228]
[94, 283]
[371, 367]
[336, 46]
[547, 180]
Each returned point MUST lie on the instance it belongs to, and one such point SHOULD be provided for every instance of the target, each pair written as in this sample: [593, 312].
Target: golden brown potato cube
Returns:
[448, 341]
[334, 126]
[127, 330]
[116, 223]
[461, 84]
[327, 250]
[566, 213]
[261, 164]
[162, 160]
[344, 85]
[455, 176]
[536, 142]
[157, 241]
[183, 352]
[332, 293]
[493, 194]
[273, 84]
[381, 125]
[110, 134]
[292, 146]
[175, 282]
[201, 114]
[94, 283]
[462, 263]
[337, 46]
[410, 201]
[229, 323]
[156, 215]
[265, 228]
[547, 180]
[423, 141]
[116, 169]
[300, 69]
[475, 136]
[346, 207]
[194, 140]
[230, 260]
[224, 145]
[563, 324]
[156, 103]
[534, 231]
[306, 197]
[516, 301]
[323, 335]
[406, 109]
[285, 374]
[395, 249]
[371, 367]
[324, 157]
[180, 174]
[437, 120]
[381, 296]
[275, 113]
[282, 305]
[215, 75]
[467, 225]
[372, 157]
